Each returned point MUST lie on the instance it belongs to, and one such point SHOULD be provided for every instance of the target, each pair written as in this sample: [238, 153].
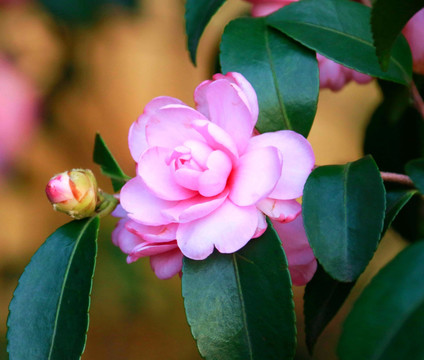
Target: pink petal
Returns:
[414, 33]
[170, 126]
[146, 248]
[194, 208]
[249, 94]
[264, 7]
[262, 225]
[137, 135]
[123, 238]
[142, 205]
[158, 175]
[227, 107]
[280, 210]
[331, 74]
[298, 161]
[361, 78]
[228, 228]
[301, 259]
[214, 180]
[168, 264]
[161, 233]
[255, 176]
[216, 138]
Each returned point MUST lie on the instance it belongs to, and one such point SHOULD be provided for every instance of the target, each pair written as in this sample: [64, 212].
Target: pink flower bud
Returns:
[414, 33]
[74, 193]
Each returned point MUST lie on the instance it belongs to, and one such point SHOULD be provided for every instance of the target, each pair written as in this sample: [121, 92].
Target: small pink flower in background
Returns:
[204, 180]
[414, 33]
[331, 74]
[18, 112]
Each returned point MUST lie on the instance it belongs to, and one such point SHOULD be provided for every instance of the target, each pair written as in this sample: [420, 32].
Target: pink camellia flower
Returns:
[414, 33]
[202, 175]
[301, 259]
[18, 112]
[332, 75]
[156, 242]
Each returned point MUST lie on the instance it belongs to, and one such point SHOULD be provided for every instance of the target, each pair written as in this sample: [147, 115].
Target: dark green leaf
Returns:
[283, 73]
[415, 170]
[48, 315]
[395, 201]
[341, 31]
[387, 321]
[323, 298]
[343, 211]
[76, 12]
[197, 15]
[240, 305]
[103, 157]
[388, 17]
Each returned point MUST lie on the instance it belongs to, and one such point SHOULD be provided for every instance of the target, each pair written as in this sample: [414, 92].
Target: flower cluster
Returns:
[206, 180]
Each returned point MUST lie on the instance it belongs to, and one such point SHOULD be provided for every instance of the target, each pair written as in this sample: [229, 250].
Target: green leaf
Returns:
[240, 306]
[395, 201]
[283, 73]
[322, 300]
[388, 17]
[387, 321]
[48, 315]
[415, 170]
[343, 212]
[197, 15]
[103, 157]
[340, 30]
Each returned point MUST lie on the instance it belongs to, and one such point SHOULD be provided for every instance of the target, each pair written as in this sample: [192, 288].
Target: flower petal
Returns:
[228, 228]
[158, 175]
[142, 205]
[123, 238]
[137, 134]
[280, 210]
[161, 233]
[262, 225]
[225, 104]
[146, 248]
[170, 126]
[301, 259]
[298, 161]
[214, 180]
[168, 264]
[256, 175]
[194, 208]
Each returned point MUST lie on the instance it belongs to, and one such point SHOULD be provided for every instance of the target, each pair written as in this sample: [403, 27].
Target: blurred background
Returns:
[75, 70]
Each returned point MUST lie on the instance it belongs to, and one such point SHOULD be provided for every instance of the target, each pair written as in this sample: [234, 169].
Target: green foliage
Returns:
[387, 321]
[343, 212]
[283, 73]
[395, 201]
[348, 42]
[388, 17]
[48, 316]
[197, 15]
[415, 170]
[109, 166]
[322, 300]
[240, 305]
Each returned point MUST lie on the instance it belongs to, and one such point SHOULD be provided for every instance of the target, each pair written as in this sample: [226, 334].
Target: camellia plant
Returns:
[227, 195]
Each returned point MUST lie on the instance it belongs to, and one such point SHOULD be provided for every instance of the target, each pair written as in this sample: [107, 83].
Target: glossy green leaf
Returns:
[343, 212]
[109, 166]
[197, 15]
[240, 306]
[283, 72]
[395, 201]
[323, 298]
[341, 31]
[415, 170]
[388, 17]
[387, 321]
[48, 315]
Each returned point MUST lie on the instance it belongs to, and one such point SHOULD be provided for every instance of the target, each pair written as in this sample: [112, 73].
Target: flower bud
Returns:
[74, 193]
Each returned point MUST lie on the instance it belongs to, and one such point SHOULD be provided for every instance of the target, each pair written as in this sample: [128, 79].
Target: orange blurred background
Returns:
[120, 64]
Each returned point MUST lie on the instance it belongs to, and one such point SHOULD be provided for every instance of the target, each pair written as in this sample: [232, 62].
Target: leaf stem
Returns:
[397, 178]
[418, 100]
